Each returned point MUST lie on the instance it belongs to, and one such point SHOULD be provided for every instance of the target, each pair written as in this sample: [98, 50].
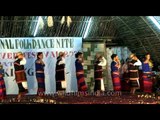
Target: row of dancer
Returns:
[81, 84]
[100, 61]
[133, 72]
[133, 67]
[20, 76]
[21, 79]
[130, 73]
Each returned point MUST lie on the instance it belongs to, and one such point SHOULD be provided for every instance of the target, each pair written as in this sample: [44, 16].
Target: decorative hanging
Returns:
[63, 20]
[69, 21]
[50, 21]
[41, 22]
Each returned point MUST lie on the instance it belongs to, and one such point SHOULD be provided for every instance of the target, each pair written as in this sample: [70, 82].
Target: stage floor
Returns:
[123, 98]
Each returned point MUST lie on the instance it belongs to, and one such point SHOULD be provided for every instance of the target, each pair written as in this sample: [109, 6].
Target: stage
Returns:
[123, 98]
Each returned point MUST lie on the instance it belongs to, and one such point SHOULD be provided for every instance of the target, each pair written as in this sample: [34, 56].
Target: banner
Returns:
[50, 46]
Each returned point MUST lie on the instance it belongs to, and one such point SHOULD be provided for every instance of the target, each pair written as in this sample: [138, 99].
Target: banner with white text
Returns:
[50, 46]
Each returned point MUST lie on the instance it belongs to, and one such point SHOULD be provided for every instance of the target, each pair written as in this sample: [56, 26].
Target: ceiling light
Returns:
[88, 26]
[155, 21]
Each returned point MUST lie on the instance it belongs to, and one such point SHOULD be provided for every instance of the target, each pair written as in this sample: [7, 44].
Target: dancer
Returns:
[60, 73]
[147, 72]
[115, 65]
[133, 73]
[80, 72]
[2, 84]
[125, 76]
[99, 63]
[40, 76]
[20, 75]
